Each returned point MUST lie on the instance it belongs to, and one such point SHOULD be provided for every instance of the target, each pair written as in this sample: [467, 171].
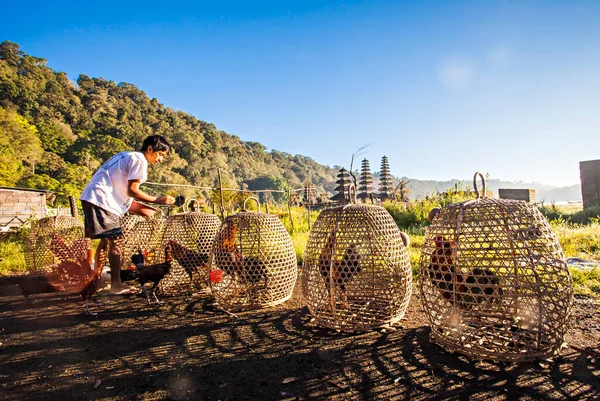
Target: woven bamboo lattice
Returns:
[494, 280]
[54, 239]
[191, 235]
[142, 234]
[56, 248]
[356, 274]
[253, 262]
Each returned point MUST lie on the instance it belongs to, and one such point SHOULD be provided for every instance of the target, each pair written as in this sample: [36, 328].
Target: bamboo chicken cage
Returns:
[356, 273]
[54, 239]
[494, 281]
[142, 235]
[253, 263]
[57, 249]
[190, 235]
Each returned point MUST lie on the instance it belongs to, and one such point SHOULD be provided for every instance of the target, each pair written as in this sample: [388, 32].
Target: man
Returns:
[114, 190]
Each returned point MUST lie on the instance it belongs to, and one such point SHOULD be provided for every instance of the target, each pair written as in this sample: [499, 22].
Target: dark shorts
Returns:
[100, 223]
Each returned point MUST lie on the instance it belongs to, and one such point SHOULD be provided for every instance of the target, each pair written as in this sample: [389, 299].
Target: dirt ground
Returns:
[188, 349]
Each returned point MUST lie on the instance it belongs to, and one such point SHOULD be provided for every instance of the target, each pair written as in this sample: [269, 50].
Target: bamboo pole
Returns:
[290, 208]
[221, 195]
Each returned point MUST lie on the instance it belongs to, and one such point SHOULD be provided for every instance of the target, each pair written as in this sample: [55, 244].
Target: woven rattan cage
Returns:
[142, 234]
[356, 274]
[54, 239]
[56, 248]
[253, 262]
[190, 235]
[494, 280]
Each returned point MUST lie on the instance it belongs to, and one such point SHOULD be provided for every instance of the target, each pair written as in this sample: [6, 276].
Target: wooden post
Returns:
[73, 206]
[290, 208]
[221, 195]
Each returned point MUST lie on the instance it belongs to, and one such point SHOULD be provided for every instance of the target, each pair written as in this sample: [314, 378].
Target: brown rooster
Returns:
[248, 270]
[474, 288]
[155, 273]
[338, 272]
[190, 260]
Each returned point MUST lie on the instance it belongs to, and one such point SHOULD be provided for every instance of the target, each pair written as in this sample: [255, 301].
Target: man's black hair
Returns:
[157, 142]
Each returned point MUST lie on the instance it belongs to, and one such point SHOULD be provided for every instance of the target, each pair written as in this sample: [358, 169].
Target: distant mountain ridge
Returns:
[543, 193]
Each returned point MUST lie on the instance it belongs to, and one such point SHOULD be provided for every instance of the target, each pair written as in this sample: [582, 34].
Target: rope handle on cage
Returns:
[352, 194]
[191, 205]
[254, 199]
[477, 193]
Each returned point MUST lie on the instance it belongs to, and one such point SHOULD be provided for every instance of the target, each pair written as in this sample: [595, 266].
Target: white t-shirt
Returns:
[108, 187]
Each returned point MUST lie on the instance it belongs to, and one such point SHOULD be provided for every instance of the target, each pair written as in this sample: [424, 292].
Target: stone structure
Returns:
[527, 195]
[590, 182]
[17, 205]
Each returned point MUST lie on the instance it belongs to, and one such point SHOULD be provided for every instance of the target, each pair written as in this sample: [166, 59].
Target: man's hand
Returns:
[165, 200]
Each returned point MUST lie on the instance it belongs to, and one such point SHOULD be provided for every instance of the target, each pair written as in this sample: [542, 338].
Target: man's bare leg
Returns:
[115, 250]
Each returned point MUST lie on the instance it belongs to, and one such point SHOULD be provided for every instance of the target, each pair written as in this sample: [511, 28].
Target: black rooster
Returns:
[155, 273]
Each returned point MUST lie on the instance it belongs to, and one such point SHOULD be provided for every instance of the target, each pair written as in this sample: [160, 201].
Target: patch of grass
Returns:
[12, 257]
[586, 282]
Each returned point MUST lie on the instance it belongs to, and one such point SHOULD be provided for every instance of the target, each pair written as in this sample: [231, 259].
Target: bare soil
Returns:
[189, 349]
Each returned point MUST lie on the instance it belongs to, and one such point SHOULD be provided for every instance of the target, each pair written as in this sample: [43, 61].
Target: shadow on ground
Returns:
[187, 349]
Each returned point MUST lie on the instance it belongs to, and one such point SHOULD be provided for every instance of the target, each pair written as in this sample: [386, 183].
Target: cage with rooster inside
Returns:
[190, 235]
[56, 248]
[494, 281]
[141, 236]
[356, 273]
[253, 262]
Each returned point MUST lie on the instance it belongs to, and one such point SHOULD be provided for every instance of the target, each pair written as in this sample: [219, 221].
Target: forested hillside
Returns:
[55, 133]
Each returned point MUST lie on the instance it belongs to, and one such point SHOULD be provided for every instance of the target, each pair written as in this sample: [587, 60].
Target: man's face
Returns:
[155, 157]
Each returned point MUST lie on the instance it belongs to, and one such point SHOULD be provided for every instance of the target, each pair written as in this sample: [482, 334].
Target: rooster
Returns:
[441, 267]
[248, 270]
[341, 271]
[473, 288]
[155, 273]
[481, 285]
[191, 261]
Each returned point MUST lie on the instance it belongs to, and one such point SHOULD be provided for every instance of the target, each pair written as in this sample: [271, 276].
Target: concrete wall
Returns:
[527, 195]
[590, 182]
[16, 206]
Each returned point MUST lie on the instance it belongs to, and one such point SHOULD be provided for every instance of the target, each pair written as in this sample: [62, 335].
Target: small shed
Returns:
[17, 205]
[527, 195]
[590, 182]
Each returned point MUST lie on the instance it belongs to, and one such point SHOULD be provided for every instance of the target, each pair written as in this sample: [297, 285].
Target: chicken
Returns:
[190, 260]
[31, 284]
[155, 273]
[338, 272]
[92, 282]
[473, 288]
[441, 267]
[481, 285]
[248, 270]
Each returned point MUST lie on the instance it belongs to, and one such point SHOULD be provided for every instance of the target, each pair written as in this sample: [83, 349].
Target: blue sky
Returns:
[443, 89]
